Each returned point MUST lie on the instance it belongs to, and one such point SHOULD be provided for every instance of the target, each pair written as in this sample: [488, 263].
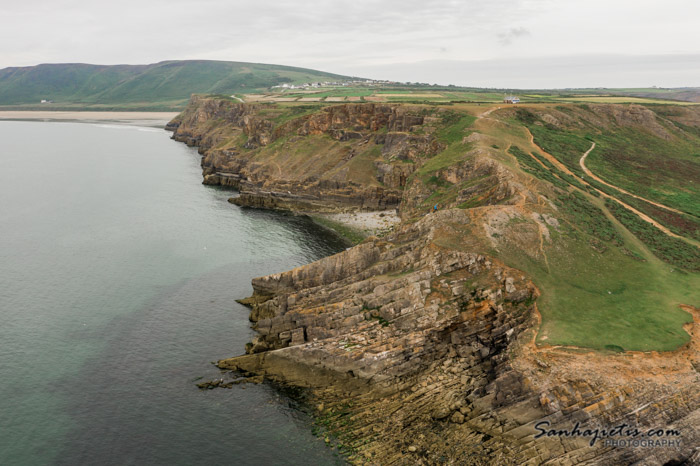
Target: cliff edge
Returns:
[505, 327]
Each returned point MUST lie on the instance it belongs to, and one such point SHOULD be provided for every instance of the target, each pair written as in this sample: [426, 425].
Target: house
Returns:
[511, 99]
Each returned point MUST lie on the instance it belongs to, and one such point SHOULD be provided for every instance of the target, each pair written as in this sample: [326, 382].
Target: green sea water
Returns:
[118, 275]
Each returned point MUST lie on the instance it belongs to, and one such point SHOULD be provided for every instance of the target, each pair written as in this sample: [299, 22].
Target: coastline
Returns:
[154, 119]
[422, 326]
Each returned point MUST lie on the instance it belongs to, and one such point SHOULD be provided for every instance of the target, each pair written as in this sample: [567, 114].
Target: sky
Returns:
[491, 43]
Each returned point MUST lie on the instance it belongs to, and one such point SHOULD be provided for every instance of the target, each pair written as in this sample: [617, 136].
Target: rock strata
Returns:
[418, 347]
[245, 147]
[420, 355]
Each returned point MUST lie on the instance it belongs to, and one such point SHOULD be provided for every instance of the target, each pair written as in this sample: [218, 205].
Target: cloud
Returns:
[340, 36]
[507, 38]
[565, 71]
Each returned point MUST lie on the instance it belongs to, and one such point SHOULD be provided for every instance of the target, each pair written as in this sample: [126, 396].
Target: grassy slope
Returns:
[649, 166]
[169, 83]
[596, 291]
[634, 159]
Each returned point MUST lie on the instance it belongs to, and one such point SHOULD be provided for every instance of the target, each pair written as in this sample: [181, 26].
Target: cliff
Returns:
[524, 304]
[421, 354]
[349, 157]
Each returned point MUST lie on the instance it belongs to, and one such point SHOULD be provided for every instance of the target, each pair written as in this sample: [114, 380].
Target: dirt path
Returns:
[488, 112]
[582, 162]
[550, 157]
[639, 214]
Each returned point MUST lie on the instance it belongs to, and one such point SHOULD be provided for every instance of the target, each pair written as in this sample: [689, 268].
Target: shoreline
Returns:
[154, 119]
[424, 325]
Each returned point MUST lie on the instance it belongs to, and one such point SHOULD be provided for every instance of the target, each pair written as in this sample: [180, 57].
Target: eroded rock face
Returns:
[408, 147]
[631, 116]
[418, 348]
[330, 184]
[485, 182]
[419, 354]
[363, 117]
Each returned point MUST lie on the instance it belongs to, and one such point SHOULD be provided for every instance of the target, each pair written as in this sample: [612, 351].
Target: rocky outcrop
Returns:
[394, 175]
[477, 180]
[418, 354]
[364, 170]
[633, 116]
[418, 347]
[408, 147]
[363, 118]
[313, 196]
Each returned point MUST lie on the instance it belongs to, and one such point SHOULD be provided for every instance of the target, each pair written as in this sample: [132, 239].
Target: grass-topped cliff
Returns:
[565, 242]
[161, 86]
[609, 279]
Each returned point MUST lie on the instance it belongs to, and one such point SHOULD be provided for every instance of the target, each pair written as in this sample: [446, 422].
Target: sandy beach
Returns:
[157, 119]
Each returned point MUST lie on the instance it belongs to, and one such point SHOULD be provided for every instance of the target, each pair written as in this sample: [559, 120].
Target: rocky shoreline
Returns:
[417, 347]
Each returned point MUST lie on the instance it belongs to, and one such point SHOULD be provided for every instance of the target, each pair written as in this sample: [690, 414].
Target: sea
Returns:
[119, 273]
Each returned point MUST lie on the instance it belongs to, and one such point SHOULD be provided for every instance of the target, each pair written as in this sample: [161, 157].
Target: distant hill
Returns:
[166, 84]
[687, 94]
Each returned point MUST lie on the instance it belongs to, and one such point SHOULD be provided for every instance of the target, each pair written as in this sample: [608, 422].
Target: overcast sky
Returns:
[490, 43]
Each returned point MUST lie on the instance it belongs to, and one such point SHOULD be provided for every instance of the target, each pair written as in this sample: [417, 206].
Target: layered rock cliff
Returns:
[419, 347]
[345, 157]
[417, 353]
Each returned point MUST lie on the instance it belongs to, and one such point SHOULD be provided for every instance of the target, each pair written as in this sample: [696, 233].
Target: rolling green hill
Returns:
[164, 85]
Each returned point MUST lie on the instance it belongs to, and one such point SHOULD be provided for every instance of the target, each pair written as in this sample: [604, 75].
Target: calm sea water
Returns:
[118, 275]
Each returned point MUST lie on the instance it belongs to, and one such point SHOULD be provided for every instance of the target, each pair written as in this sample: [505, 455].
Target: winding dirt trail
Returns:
[639, 214]
[555, 161]
[582, 162]
[488, 112]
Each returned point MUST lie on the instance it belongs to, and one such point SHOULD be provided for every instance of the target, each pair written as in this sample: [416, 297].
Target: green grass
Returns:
[563, 145]
[633, 158]
[662, 170]
[619, 100]
[674, 251]
[680, 224]
[439, 182]
[453, 127]
[602, 284]
[452, 131]
[595, 300]
[587, 218]
[448, 157]
[291, 113]
[530, 165]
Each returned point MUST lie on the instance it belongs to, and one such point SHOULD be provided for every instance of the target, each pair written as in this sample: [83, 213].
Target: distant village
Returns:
[314, 85]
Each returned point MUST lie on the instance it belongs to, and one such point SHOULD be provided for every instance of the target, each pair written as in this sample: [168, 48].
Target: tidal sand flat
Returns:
[157, 119]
